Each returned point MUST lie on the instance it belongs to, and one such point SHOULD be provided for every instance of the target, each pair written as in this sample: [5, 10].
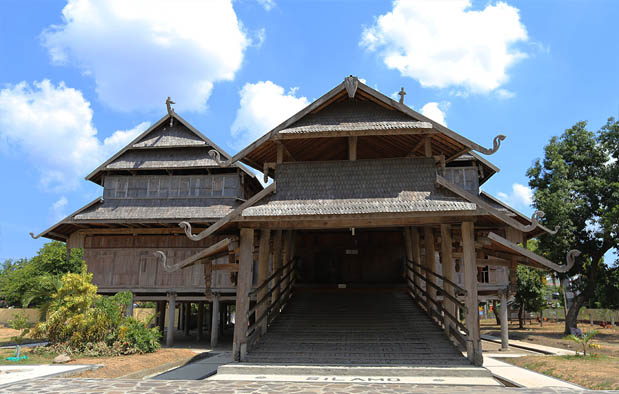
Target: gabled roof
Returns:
[386, 124]
[400, 185]
[165, 147]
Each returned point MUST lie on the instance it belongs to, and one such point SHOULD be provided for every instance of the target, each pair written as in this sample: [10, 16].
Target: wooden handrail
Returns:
[266, 296]
[441, 277]
[270, 278]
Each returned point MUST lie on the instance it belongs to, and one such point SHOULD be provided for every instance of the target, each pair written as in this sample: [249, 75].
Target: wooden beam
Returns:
[427, 146]
[263, 274]
[416, 247]
[225, 267]
[215, 321]
[470, 284]
[277, 262]
[449, 271]
[430, 264]
[352, 148]
[171, 318]
[226, 219]
[280, 153]
[246, 261]
[212, 250]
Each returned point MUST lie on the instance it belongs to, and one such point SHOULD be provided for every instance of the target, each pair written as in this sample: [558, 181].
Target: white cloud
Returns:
[53, 126]
[263, 106]
[436, 111]
[520, 196]
[447, 44]
[58, 209]
[139, 52]
[267, 4]
[505, 94]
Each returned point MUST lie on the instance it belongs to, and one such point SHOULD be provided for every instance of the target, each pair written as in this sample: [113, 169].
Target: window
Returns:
[165, 186]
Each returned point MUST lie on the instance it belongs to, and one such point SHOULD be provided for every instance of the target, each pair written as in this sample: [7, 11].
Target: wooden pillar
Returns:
[504, 321]
[469, 264]
[179, 322]
[200, 320]
[449, 271]
[430, 264]
[246, 263]
[352, 148]
[215, 321]
[129, 311]
[171, 315]
[187, 317]
[263, 274]
[416, 255]
[408, 245]
[161, 315]
[277, 260]
[427, 146]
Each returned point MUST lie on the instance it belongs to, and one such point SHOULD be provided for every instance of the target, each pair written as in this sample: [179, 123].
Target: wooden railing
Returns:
[433, 308]
[270, 308]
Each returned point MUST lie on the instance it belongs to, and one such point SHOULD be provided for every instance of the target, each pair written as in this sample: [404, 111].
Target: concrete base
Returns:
[472, 376]
[16, 373]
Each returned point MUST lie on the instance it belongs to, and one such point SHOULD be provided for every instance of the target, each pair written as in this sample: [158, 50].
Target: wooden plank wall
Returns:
[127, 261]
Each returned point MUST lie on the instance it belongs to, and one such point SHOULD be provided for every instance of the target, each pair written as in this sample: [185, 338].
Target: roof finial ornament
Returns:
[402, 93]
[496, 143]
[168, 104]
[537, 215]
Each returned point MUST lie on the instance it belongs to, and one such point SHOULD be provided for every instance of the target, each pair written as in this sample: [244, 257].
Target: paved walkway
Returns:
[16, 373]
[199, 369]
[115, 386]
[531, 346]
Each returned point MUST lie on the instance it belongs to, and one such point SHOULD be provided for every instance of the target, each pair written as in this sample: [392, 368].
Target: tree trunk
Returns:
[521, 316]
[563, 291]
[571, 319]
[496, 313]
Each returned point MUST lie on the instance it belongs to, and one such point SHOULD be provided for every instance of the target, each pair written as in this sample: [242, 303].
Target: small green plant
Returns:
[21, 323]
[583, 340]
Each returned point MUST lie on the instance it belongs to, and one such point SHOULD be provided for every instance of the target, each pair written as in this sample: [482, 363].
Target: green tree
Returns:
[577, 186]
[530, 295]
[32, 282]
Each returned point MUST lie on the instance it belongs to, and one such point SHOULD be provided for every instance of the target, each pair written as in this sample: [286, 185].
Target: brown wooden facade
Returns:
[364, 192]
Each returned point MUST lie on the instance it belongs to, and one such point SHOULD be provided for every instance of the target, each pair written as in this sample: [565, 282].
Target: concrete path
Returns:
[199, 369]
[18, 373]
[117, 386]
[531, 346]
[521, 377]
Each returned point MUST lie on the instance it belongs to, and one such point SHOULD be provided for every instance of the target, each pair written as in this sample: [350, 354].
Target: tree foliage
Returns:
[28, 282]
[577, 185]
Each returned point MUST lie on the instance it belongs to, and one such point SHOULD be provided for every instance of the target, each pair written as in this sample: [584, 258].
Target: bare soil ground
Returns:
[596, 373]
[115, 367]
[552, 335]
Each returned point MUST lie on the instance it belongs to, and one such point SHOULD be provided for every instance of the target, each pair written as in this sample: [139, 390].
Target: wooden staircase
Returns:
[355, 327]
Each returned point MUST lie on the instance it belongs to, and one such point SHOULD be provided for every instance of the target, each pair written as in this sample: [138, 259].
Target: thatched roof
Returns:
[402, 185]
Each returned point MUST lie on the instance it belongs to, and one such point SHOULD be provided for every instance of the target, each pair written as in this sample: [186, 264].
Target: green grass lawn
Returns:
[33, 358]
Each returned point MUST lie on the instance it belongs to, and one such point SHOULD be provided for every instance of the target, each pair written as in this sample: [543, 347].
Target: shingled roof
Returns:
[401, 185]
[164, 147]
[353, 115]
[202, 209]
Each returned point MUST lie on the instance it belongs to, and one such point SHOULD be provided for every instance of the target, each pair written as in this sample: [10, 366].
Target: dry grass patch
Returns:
[552, 335]
[593, 372]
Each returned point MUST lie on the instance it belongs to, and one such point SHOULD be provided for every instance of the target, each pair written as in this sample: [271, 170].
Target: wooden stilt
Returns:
[470, 284]
[215, 321]
[416, 255]
[263, 274]
[504, 322]
[129, 311]
[187, 318]
[449, 271]
[171, 315]
[246, 263]
[408, 245]
[429, 263]
[162, 314]
[277, 262]
[200, 320]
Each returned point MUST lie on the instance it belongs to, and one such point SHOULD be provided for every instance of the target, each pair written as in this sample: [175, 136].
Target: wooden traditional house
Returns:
[162, 177]
[373, 220]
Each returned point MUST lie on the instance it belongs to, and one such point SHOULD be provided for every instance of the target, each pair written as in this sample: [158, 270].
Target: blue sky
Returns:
[78, 80]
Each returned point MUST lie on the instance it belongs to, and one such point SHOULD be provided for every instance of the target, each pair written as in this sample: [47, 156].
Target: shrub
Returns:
[82, 322]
